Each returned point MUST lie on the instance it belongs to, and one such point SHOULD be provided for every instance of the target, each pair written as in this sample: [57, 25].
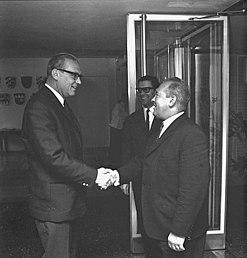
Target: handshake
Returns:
[107, 177]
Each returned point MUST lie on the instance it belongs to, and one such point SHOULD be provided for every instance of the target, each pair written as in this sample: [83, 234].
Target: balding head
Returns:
[172, 97]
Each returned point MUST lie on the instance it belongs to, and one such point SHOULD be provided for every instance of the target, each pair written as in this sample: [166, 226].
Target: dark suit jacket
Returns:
[135, 135]
[58, 176]
[175, 181]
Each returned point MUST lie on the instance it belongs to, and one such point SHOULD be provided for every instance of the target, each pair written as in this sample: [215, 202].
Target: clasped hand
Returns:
[107, 177]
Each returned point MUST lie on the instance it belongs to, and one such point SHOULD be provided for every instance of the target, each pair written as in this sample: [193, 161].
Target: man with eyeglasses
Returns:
[136, 130]
[58, 175]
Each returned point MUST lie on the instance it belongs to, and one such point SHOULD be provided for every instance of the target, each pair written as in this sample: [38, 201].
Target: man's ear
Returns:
[55, 74]
[172, 101]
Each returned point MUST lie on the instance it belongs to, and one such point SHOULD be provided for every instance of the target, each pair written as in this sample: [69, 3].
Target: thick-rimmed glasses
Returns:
[74, 74]
[145, 90]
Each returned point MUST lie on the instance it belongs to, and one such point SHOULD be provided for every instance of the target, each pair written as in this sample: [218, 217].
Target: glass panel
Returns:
[192, 51]
[195, 50]
[206, 107]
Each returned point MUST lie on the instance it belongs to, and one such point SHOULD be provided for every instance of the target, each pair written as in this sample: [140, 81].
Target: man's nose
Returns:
[78, 81]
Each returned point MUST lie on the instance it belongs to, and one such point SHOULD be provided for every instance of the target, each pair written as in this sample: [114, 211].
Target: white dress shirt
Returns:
[166, 123]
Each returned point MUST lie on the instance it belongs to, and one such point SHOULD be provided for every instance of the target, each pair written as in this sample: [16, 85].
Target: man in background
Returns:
[137, 128]
[58, 175]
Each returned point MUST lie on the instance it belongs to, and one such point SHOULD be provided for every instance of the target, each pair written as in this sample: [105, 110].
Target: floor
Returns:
[105, 231]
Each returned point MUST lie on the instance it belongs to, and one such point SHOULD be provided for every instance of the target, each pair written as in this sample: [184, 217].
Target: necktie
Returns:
[147, 119]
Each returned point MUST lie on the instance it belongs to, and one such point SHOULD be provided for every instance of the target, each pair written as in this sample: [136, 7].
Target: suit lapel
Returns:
[70, 115]
[58, 106]
[141, 125]
[156, 125]
[155, 142]
[72, 120]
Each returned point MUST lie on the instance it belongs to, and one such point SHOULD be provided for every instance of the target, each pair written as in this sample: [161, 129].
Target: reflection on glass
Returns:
[192, 50]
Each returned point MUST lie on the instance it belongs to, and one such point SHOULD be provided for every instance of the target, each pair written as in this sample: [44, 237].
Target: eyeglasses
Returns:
[75, 75]
[145, 90]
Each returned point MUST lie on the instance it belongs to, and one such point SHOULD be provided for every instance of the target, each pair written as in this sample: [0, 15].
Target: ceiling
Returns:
[84, 27]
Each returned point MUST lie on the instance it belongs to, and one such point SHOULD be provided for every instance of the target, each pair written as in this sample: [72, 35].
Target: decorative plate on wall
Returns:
[19, 98]
[4, 99]
[26, 81]
[10, 81]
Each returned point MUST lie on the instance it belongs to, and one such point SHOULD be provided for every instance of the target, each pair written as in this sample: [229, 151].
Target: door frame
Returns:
[215, 238]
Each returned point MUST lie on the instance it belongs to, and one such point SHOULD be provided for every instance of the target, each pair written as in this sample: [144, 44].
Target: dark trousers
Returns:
[59, 239]
[159, 249]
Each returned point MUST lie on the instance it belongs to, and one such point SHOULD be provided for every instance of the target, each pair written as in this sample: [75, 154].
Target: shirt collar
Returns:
[166, 123]
[171, 119]
[58, 96]
[151, 113]
[151, 109]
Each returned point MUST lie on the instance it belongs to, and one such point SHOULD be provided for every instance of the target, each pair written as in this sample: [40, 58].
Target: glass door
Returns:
[194, 48]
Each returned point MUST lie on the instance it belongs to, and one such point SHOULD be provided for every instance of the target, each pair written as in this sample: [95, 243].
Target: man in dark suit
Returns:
[136, 130]
[58, 176]
[175, 178]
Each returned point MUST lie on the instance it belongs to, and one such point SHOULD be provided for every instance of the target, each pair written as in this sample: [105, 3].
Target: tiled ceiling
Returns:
[85, 27]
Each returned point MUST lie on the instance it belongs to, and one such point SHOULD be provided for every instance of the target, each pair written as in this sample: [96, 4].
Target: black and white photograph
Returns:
[123, 129]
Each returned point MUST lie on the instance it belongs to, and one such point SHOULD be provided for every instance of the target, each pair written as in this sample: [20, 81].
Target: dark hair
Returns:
[180, 89]
[154, 81]
[58, 60]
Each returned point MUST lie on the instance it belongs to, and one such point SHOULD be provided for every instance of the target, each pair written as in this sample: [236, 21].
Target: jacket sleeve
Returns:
[131, 169]
[45, 141]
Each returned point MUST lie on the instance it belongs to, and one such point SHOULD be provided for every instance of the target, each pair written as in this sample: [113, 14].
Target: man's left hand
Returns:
[176, 243]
